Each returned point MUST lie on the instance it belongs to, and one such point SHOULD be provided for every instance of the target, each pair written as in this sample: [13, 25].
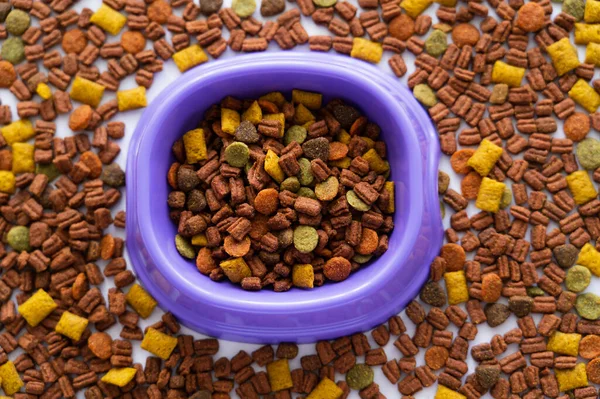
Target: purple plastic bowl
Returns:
[369, 296]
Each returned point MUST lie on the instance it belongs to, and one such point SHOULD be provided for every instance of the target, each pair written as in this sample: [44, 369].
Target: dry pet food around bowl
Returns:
[268, 192]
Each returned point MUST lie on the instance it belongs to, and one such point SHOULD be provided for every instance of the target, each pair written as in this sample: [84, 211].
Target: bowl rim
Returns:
[255, 301]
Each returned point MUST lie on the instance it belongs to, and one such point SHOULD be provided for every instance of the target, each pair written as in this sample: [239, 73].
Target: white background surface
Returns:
[162, 80]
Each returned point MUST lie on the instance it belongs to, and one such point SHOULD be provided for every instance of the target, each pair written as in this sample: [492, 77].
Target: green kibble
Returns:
[305, 238]
[18, 239]
[575, 8]
[237, 154]
[17, 22]
[588, 306]
[243, 8]
[359, 376]
[443, 182]
[49, 169]
[588, 154]
[356, 202]
[324, 3]
[291, 184]
[184, 247]
[13, 50]
[506, 199]
[306, 192]
[578, 278]
[436, 44]
[328, 189]
[295, 133]
[425, 95]
[442, 209]
[305, 176]
[535, 291]
[361, 259]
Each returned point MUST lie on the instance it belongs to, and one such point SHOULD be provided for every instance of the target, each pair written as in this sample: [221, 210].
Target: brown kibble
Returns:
[577, 126]
[159, 11]
[100, 344]
[74, 41]
[465, 35]
[205, 262]
[455, 257]
[402, 27]
[133, 41]
[491, 287]
[469, 186]
[531, 17]
[337, 268]
[459, 160]
[368, 242]
[236, 248]
[7, 74]
[589, 347]
[80, 118]
[436, 357]
[267, 201]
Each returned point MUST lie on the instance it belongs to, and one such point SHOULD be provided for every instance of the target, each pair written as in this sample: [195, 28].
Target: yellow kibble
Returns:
[235, 269]
[326, 389]
[565, 344]
[159, 344]
[10, 380]
[590, 258]
[581, 187]
[272, 166]
[485, 157]
[343, 163]
[108, 19]
[592, 54]
[23, 160]
[389, 187]
[253, 114]
[585, 33]
[72, 326]
[505, 73]
[592, 12]
[309, 99]
[415, 7]
[230, 120]
[194, 144]
[37, 307]
[456, 286]
[303, 276]
[119, 377]
[447, 3]
[87, 92]
[44, 91]
[279, 374]
[344, 137]
[563, 55]
[200, 240]
[366, 50]
[132, 98]
[280, 117]
[140, 300]
[275, 97]
[370, 142]
[490, 195]
[189, 57]
[571, 378]
[7, 182]
[447, 393]
[18, 132]
[583, 94]
[375, 162]
[303, 115]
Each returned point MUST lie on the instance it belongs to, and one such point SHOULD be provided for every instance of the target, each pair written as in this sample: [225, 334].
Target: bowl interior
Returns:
[183, 110]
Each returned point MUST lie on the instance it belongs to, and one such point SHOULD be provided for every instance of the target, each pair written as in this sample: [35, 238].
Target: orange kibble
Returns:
[107, 247]
[93, 162]
[436, 357]
[465, 35]
[455, 257]
[74, 41]
[80, 118]
[491, 287]
[133, 41]
[593, 371]
[159, 12]
[267, 201]
[589, 347]
[459, 160]
[8, 75]
[577, 126]
[337, 268]
[236, 248]
[259, 227]
[99, 344]
[204, 261]
[337, 151]
[172, 175]
[531, 17]
[402, 27]
[368, 242]
[469, 186]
